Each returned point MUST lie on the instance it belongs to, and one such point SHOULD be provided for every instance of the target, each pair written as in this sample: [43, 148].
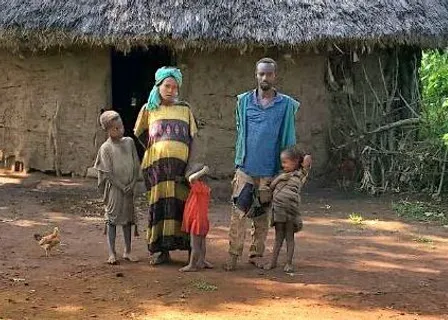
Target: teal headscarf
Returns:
[154, 99]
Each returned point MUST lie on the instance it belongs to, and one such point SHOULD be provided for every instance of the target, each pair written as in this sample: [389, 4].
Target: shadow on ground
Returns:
[377, 269]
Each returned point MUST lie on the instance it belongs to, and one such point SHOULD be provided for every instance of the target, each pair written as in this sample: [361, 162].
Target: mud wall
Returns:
[49, 106]
[212, 81]
[50, 103]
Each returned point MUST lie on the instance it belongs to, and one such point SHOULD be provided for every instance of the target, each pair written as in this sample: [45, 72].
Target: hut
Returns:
[62, 62]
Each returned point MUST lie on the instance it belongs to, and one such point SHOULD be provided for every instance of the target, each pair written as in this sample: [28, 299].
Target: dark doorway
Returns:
[132, 80]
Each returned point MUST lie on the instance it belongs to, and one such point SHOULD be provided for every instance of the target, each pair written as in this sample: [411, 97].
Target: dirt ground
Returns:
[382, 269]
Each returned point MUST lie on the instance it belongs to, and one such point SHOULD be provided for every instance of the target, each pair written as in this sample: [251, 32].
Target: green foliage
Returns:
[434, 79]
[420, 211]
[203, 285]
[424, 240]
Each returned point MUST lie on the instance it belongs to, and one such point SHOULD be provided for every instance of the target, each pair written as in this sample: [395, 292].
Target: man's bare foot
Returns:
[112, 260]
[188, 268]
[256, 261]
[288, 268]
[128, 257]
[270, 266]
[230, 265]
[205, 265]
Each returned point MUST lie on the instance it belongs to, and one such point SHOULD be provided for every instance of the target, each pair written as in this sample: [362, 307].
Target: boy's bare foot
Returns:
[188, 268]
[112, 260]
[205, 265]
[230, 265]
[270, 266]
[128, 257]
[288, 268]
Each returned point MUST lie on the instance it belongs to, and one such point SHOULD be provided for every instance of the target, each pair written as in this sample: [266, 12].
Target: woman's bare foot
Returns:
[188, 268]
[288, 268]
[270, 266]
[112, 260]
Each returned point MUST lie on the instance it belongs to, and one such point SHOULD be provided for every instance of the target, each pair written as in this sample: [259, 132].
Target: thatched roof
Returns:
[46, 23]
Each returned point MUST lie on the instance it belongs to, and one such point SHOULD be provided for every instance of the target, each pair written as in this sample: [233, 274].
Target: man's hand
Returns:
[307, 162]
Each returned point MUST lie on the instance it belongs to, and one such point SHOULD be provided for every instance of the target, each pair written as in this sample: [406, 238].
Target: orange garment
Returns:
[196, 210]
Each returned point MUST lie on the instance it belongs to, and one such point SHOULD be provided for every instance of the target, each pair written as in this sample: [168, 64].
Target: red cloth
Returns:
[195, 219]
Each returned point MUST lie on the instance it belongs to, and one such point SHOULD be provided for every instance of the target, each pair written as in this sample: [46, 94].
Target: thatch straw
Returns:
[37, 24]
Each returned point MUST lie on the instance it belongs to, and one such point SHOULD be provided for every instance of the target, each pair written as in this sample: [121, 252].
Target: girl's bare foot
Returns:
[112, 260]
[188, 268]
[128, 257]
[163, 257]
[270, 266]
[288, 268]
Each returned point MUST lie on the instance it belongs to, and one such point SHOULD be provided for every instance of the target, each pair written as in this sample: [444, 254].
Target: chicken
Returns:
[49, 241]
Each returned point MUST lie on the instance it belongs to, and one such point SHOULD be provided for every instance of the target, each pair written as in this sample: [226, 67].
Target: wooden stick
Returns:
[53, 137]
[442, 176]
[386, 127]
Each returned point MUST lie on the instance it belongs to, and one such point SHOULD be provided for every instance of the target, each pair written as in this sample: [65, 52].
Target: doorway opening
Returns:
[132, 80]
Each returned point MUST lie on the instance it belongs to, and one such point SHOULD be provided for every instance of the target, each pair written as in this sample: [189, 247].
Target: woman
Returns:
[167, 128]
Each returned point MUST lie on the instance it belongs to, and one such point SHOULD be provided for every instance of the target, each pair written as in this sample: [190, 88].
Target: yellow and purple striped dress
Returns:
[167, 133]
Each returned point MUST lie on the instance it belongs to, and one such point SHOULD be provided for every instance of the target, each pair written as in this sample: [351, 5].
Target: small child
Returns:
[285, 213]
[195, 219]
[118, 169]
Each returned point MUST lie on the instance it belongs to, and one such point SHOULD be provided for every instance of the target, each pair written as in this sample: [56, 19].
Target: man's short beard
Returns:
[265, 87]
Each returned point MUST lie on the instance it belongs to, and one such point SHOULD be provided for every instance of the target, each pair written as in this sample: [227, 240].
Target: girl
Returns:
[195, 220]
[285, 213]
[118, 166]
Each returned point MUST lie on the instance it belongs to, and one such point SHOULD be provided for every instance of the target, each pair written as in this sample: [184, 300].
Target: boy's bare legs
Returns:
[111, 235]
[279, 237]
[196, 248]
[127, 233]
[202, 263]
[289, 246]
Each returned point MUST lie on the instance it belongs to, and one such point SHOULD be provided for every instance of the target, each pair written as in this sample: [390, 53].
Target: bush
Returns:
[434, 80]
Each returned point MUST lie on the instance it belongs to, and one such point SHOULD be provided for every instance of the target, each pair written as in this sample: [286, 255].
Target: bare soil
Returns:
[383, 268]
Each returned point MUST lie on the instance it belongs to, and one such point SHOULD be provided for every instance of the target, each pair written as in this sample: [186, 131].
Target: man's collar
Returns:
[277, 98]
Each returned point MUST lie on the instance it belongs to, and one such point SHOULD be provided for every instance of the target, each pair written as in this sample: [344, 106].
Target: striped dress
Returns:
[167, 133]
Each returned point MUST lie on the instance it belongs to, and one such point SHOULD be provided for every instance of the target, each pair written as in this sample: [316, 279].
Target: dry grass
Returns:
[56, 23]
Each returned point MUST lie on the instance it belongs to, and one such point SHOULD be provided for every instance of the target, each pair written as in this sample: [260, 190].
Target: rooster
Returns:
[49, 241]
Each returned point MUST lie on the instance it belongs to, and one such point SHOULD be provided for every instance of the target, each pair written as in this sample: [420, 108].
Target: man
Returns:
[265, 122]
